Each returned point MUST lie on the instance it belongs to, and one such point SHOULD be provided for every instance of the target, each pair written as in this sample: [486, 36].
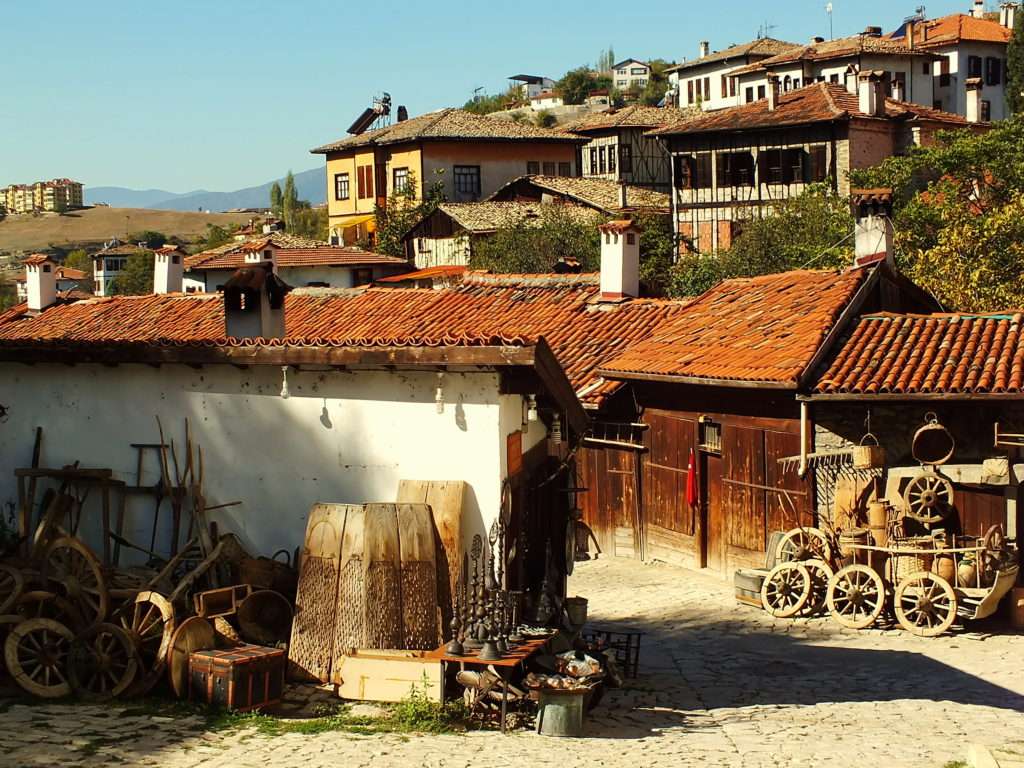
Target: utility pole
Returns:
[828, 10]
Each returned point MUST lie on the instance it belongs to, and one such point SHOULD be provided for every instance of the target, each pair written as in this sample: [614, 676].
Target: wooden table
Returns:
[515, 658]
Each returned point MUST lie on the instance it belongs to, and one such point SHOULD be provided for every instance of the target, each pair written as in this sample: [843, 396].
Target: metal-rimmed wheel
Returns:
[41, 604]
[925, 604]
[821, 574]
[786, 590]
[804, 544]
[928, 497]
[74, 569]
[11, 585]
[149, 621]
[856, 596]
[36, 652]
[103, 662]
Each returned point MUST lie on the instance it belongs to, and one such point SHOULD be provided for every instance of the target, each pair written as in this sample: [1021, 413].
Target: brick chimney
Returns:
[40, 282]
[973, 106]
[254, 303]
[168, 269]
[773, 91]
[620, 260]
[873, 230]
[871, 93]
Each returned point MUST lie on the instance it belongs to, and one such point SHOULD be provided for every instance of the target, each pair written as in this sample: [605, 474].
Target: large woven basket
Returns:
[905, 564]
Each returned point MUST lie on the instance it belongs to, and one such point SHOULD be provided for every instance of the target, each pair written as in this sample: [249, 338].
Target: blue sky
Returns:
[181, 94]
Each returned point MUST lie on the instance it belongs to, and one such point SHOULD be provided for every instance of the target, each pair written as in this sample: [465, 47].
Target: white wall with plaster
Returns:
[339, 437]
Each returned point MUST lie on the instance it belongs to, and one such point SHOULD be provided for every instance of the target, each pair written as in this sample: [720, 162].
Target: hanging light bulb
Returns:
[284, 382]
[439, 394]
[531, 411]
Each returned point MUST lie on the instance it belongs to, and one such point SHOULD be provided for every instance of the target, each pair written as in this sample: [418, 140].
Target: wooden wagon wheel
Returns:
[150, 624]
[804, 544]
[786, 590]
[11, 585]
[36, 652]
[928, 498]
[103, 662]
[193, 634]
[41, 604]
[69, 563]
[925, 604]
[856, 596]
[821, 574]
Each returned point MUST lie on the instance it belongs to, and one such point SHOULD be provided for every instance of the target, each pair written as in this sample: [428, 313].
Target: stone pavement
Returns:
[720, 685]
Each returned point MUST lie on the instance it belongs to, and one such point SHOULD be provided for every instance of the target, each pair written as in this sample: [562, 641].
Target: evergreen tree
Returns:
[290, 199]
[1015, 66]
[136, 279]
[276, 199]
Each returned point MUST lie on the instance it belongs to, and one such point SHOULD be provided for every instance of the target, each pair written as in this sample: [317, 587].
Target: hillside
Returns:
[95, 225]
[309, 184]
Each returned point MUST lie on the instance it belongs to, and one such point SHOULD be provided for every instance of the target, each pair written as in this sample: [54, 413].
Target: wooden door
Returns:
[669, 525]
[712, 512]
[610, 504]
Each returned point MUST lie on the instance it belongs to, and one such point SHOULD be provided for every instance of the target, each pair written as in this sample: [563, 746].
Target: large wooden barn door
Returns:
[670, 526]
[610, 505]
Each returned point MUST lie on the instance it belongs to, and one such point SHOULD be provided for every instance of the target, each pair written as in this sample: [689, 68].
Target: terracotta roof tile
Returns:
[762, 47]
[489, 216]
[635, 116]
[602, 194]
[452, 125]
[442, 272]
[815, 103]
[323, 255]
[759, 329]
[483, 310]
[955, 28]
[929, 354]
[854, 45]
[37, 258]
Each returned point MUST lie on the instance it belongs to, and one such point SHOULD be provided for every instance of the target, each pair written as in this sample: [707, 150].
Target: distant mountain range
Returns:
[310, 186]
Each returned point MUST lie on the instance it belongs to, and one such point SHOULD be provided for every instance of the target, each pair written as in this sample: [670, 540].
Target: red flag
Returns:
[692, 494]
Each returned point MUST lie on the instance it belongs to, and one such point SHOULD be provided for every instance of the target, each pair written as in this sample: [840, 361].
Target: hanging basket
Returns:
[933, 444]
[868, 455]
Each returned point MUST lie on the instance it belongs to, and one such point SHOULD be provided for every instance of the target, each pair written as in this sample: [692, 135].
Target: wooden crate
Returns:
[243, 678]
[366, 675]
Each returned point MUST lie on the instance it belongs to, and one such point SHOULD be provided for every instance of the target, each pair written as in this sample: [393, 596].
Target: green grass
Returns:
[955, 764]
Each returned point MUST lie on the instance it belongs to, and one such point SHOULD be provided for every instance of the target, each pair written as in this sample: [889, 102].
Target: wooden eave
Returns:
[666, 378]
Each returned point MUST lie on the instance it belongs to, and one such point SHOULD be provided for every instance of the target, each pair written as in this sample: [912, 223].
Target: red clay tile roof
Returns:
[929, 354]
[61, 273]
[325, 255]
[955, 28]
[762, 47]
[635, 116]
[483, 310]
[444, 271]
[168, 248]
[760, 329]
[854, 45]
[37, 258]
[815, 103]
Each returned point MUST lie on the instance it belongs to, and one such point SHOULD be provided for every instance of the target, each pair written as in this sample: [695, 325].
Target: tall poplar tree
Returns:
[1015, 66]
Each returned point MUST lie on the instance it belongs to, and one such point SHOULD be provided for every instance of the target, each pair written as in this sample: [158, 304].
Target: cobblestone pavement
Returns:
[720, 685]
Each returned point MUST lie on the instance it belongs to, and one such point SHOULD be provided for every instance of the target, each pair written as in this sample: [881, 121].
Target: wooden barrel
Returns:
[878, 522]
[852, 536]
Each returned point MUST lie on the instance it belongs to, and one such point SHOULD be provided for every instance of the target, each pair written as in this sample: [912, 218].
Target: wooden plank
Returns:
[368, 676]
[382, 569]
[350, 623]
[312, 643]
[421, 628]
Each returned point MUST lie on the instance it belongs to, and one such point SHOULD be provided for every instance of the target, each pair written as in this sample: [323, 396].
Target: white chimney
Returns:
[40, 282]
[261, 252]
[897, 90]
[705, 48]
[851, 78]
[167, 270]
[973, 110]
[870, 93]
[873, 230]
[978, 9]
[773, 91]
[623, 195]
[254, 303]
[1008, 15]
[620, 260]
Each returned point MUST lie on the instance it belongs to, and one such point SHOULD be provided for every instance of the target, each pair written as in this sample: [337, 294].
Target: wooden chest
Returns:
[243, 678]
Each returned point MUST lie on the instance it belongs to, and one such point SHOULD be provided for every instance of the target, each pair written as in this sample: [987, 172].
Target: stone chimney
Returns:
[620, 260]
[873, 230]
[168, 269]
[40, 282]
[254, 303]
[773, 91]
[978, 9]
[871, 93]
[705, 49]
[973, 106]
[623, 195]
[1008, 15]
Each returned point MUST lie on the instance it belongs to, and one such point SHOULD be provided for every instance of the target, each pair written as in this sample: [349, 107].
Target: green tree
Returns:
[309, 222]
[403, 211]
[1015, 66]
[289, 200]
[606, 60]
[79, 259]
[136, 279]
[149, 238]
[657, 83]
[216, 236]
[276, 199]
[545, 119]
[8, 293]
[577, 83]
[537, 247]
[485, 104]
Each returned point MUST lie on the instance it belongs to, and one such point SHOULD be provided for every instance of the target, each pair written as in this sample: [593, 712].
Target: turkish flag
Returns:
[692, 494]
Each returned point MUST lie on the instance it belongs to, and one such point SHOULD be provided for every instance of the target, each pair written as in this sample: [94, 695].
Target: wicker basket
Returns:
[868, 455]
[905, 564]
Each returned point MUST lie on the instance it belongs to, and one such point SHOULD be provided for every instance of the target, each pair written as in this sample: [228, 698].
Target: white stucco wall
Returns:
[340, 437]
